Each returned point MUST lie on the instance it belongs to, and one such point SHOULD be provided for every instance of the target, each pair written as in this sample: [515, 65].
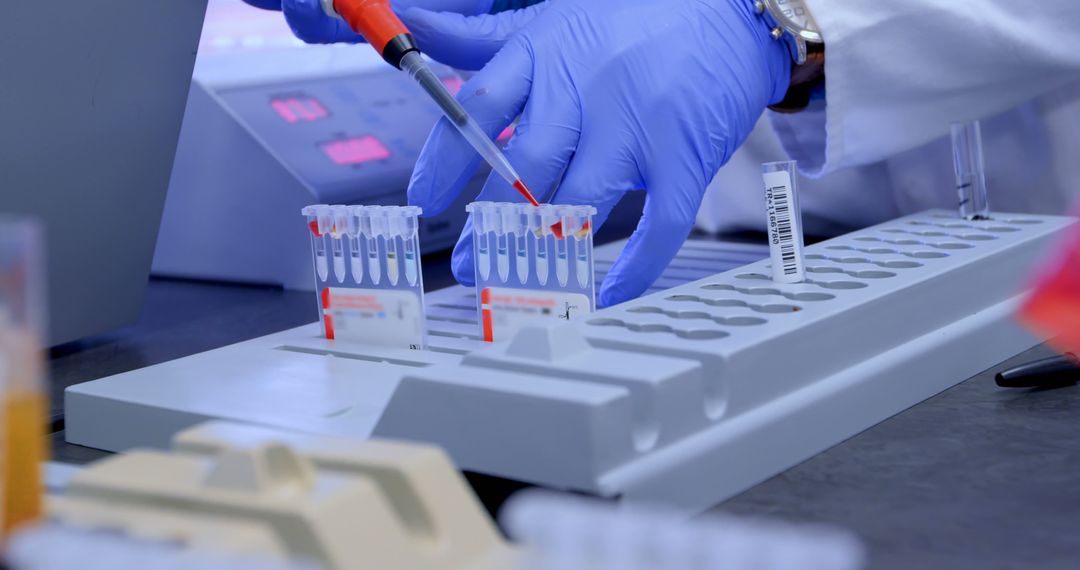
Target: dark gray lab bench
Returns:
[977, 477]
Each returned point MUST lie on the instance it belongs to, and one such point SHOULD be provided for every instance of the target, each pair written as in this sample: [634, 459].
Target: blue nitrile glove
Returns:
[465, 41]
[310, 23]
[265, 4]
[614, 95]
[453, 44]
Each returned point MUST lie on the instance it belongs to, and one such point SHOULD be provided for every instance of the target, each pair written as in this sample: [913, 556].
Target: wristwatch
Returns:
[791, 21]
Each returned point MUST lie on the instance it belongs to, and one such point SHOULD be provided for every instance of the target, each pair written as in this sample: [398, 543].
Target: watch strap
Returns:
[806, 78]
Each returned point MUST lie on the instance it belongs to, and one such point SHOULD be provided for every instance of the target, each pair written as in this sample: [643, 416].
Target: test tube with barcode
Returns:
[784, 221]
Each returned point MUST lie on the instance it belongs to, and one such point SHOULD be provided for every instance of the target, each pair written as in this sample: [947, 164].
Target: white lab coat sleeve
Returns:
[898, 72]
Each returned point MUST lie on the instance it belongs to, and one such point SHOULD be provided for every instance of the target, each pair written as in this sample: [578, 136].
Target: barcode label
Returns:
[785, 229]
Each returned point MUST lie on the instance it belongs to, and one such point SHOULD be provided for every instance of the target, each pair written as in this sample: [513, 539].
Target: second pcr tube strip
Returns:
[544, 250]
[525, 236]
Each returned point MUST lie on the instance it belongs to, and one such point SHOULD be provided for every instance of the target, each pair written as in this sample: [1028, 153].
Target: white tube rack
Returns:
[694, 394]
[297, 379]
[686, 396]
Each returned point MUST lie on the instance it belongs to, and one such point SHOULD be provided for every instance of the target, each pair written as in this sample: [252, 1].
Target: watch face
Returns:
[795, 17]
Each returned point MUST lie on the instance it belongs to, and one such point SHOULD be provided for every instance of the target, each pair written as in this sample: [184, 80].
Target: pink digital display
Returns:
[298, 108]
[356, 150]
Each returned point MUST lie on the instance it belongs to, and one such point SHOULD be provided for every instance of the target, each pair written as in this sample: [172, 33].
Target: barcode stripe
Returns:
[783, 229]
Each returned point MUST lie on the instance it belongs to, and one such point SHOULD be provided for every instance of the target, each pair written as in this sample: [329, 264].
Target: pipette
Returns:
[374, 20]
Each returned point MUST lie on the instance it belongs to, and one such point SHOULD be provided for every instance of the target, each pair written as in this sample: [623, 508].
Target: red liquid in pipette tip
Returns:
[524, 190]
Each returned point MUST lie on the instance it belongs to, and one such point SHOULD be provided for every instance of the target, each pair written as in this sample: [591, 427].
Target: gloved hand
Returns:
[614, 95]
[265, 4]
[438, 26]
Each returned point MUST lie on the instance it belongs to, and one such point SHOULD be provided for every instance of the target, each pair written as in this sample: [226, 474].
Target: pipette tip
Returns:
[520, 186]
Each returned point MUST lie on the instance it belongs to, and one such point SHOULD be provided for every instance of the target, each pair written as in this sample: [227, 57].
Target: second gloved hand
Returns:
[614, 96]
[310, 23]
[437, 26]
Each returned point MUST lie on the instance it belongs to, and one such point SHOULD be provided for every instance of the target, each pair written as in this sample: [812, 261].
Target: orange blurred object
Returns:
[1054, 308]
[23, 401]
[373, 19]
[25, 449]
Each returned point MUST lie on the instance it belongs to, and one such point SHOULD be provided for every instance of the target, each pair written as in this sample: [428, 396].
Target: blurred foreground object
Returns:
[1054, 308]
[284, 499]
[59, 547]
[231, 495]
[560, 532]
[24, 402]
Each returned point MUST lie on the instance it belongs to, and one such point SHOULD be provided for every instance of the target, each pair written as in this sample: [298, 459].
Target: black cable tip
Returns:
[1054, 372]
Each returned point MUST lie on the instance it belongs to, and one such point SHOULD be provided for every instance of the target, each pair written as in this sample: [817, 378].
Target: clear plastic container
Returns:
[532, 262]
[783, 220]
[972, 193]
[367, 272]
[25, 402]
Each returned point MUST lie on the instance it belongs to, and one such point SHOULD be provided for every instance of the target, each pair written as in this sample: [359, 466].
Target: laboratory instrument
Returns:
[532, 262]
[87, 139]
[668, 398]
[973, 196]
[377, 23]
[24, 402]
[290, 125]
[783, 221]
[369, 283]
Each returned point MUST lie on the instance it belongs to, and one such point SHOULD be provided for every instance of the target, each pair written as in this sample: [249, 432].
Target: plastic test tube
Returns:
[25, 403]
[974, 203]
[365, 257]
[784, 221]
